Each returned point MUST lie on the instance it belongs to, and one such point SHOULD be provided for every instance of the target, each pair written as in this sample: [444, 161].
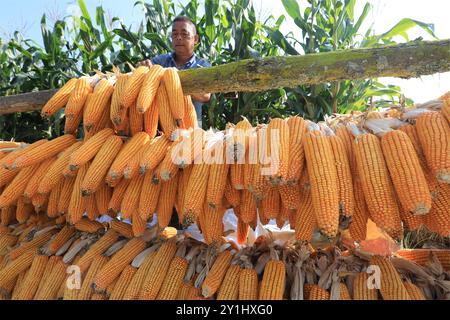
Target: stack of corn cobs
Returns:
[325, 180]
[44, 259]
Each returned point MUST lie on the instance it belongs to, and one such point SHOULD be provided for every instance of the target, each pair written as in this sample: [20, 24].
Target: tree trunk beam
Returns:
[412, 59]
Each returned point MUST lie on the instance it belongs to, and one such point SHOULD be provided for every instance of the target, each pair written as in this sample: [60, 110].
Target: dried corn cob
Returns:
[112, 269]
[59, 99]
[44, 151]
[323, 176]
[158, 270]
[406, 172]
[434, 133]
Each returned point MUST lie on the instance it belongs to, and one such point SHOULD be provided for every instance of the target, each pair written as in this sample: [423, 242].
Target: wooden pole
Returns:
[406, 60]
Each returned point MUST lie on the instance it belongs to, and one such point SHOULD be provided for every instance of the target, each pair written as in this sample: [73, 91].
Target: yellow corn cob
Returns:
[242, 229]
[248, 284]
[377, 185]
[126, 153]
[158, 270]
[97, 248]
[229, 289]
[133, 87]
[411, 132]
[195, 192]
[166, 202]
[132, 168]
[117, 196]
[111, 270]
[138, 225]
[6, 241]
[446, 109]
[31, 281]
[36, 243]
[39, 202]
[414, 292]
[66, 195]
[344, 174]
[324, 187]
[72, 124]
[434, 135]
[89, 149]
[213, 226]
[289, 195]
[78, 98]
[7, 215]
[167, 122]
[134, 288]
[53, 200]
[297, 130]
[344, 294]
[122, 228]
[151, 117]
[98, 104]
[86, 290]
[32, 186]
[136, 120]
[216, 185]
[85, 225]
[273, 282]
[279, 149]
[182, 185]
[123, 282]
[18, 285]
[305, 222]
[175, 94]
[248, 207]
[173, 280]
[7, 161]
[406, 172]
[117, 114]
[59, 99]
[217, 273]
[130, 202]
[438, 219]
[391, 285]
[149, 88]
[422, 256]
[148, 198]
[318, 293]
[6, 176]
[190, 114]
[241, 144]
[102, 197]
[15, 267]
[271, 204]
[358, 226]
[51, 286]
[16, 188]
[154, 153]
[361, 289]
[44, 151]
[54, 173]
[167, 169]
[77, 204]
[60, 239]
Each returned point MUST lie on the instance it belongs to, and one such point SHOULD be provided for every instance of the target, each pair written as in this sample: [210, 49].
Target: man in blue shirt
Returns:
[184, 40]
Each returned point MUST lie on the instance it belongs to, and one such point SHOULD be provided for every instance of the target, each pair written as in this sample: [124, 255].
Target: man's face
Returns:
[184, 38]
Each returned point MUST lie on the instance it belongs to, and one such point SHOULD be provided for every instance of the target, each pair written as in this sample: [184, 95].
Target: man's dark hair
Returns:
[185, 19]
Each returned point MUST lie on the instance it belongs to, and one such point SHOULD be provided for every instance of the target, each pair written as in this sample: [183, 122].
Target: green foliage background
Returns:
[229, 31]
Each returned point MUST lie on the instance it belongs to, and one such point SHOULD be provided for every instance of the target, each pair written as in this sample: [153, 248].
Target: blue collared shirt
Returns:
[168, 60]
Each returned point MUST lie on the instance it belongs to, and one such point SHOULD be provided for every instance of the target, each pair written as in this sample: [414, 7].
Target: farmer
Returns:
[184, 40]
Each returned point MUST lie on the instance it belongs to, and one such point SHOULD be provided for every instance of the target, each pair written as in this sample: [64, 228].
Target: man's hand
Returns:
[204, 98]
[146, 63]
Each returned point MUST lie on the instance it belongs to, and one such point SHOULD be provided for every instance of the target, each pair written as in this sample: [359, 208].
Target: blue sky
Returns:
[25, 15]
